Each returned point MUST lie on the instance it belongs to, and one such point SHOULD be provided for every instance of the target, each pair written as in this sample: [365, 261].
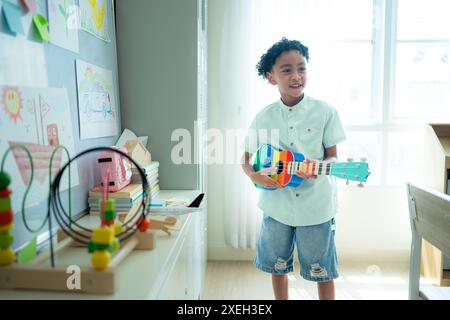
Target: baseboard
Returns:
[372, 256]
[227, 253]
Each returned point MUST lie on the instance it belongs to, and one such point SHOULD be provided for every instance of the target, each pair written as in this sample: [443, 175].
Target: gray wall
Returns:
[157, 55]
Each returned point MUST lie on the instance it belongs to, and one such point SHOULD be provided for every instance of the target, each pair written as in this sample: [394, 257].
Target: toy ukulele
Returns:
[281, 165]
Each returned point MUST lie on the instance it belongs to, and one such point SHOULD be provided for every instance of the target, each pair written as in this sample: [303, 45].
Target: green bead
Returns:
[115, 245]
[110, 215]
[110, 205]
[5, 180]
[6, 240]
[91, 247]
[5, 204]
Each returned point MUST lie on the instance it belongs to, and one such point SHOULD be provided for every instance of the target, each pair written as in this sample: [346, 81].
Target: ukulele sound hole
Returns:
[279, 167]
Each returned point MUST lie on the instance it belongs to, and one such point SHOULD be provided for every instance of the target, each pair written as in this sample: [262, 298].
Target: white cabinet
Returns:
[186, 272]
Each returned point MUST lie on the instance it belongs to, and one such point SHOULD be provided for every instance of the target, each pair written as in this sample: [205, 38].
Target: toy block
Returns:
[6, 218]
[110, 215]
[110, 205]
[5, 193]
[100, 259]
[7, 227]
[5, 180]
[103, 235]
[5, 204]
[6, 240]
[7, 257]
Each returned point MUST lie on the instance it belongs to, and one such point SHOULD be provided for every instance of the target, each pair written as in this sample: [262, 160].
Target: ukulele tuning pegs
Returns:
[350, 159]
[364, 159]
[361, 185]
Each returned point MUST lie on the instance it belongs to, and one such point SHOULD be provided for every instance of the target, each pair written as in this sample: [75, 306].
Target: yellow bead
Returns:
[7, 257]
[7, 227]
[118, 229]
[100, 259]
[103, 235]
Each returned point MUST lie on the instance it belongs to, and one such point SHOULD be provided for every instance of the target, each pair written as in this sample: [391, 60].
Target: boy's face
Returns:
[289, 75]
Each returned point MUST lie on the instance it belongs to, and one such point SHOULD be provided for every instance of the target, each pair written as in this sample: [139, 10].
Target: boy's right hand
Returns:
[262, 179]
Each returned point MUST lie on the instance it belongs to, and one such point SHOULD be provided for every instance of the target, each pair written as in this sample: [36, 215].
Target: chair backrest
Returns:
[430, 215]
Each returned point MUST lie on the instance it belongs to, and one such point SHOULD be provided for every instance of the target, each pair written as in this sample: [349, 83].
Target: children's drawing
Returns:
[94, 17]
[96, 101]
[63, 19]
[39, 119]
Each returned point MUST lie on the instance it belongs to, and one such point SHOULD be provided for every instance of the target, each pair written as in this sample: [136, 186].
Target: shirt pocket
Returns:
[311, 140]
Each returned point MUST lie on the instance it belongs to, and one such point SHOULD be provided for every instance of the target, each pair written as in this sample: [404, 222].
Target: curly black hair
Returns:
[268, 59]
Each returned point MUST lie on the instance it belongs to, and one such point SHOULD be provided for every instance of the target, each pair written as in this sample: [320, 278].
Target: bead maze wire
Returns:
[73, 229]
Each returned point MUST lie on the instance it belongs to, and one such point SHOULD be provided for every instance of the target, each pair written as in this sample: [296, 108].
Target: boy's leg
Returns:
[280, 286]
[326, 290]
[275, 254]
[317, 256]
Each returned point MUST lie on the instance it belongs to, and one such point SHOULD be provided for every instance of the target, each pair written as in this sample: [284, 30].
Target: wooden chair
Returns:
[430, 220]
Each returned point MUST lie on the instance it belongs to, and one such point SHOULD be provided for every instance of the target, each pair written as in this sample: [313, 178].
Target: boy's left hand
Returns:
[305, 175]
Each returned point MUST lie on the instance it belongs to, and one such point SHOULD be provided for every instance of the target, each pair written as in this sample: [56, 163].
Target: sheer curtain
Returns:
[242, 95]
[249, 29]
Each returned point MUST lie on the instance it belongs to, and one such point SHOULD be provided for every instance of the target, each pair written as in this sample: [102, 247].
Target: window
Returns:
[382, 63]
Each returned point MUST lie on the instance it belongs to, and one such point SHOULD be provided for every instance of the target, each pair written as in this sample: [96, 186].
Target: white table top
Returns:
[140, 276]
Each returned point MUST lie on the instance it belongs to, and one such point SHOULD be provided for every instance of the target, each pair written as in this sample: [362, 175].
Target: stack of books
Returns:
[128, 199]
[151, 172]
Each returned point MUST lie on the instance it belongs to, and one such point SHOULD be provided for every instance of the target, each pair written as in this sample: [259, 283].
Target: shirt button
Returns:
[290, 109]
[291, 127]
[292, 144]
[297, 195]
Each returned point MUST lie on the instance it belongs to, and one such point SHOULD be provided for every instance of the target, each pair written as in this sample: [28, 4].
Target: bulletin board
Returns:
[58, 86]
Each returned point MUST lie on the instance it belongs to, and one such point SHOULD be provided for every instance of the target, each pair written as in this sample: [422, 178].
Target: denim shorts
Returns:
[315, 247]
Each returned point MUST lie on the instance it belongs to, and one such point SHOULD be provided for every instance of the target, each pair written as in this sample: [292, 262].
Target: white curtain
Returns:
[249, 29]
[237, 104]
[242, 95]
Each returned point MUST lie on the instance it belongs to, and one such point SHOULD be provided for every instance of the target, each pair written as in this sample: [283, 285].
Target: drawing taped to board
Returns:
[94, 17]
[63, 20]
[96, 101]
[39, 119]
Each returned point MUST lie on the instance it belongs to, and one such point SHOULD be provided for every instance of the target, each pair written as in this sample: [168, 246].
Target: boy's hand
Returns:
[305, 175]
[262, 179]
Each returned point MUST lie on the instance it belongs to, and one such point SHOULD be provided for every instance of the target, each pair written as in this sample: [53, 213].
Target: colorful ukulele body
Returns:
[281, 165]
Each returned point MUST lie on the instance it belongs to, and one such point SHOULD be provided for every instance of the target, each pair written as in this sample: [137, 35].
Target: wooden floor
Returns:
[234, 280]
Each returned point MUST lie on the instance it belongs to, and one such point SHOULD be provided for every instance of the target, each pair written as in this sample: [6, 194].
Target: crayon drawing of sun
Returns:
[12, 102]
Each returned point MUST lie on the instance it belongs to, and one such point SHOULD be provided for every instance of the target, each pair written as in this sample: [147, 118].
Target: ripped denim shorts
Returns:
[315, 247]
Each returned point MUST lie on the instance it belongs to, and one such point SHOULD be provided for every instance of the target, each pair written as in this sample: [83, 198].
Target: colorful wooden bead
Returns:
[143, 225]
[118, 229]
[7, 227]
[110, 205]
[100, 259]
[5, 193]
[5, 204]
[6, 218]
[103, 235]
[5, 180]
[115, 245]
[7, 257]
[110, 215]
[6, 240]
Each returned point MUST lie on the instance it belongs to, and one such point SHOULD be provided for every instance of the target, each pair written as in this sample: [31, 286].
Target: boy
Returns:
[302, 216]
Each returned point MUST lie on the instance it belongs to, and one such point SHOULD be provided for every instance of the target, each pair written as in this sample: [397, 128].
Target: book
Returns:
[148, 168]
[130, 191]
[119, 211]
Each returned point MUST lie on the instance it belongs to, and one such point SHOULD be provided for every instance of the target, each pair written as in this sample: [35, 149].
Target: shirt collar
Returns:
[299, 105]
